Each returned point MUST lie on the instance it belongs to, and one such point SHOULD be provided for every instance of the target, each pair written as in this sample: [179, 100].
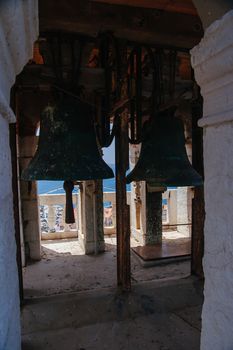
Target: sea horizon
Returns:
[56, 187]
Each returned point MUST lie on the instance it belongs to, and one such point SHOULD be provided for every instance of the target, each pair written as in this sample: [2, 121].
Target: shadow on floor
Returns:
[154, 316]
[64, 268]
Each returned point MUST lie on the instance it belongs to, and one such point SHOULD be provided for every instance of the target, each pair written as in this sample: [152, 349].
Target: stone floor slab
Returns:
[155, 315]
[64, 269]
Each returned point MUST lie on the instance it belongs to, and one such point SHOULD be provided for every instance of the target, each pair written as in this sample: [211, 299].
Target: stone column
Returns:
[29, 200]
[183, 208]
[145, 208]
[135, 197]
[153, 233]
[91, 234]
[212, 61]
[184, 203]
[51, 217]
[172, 208]
[150, 230]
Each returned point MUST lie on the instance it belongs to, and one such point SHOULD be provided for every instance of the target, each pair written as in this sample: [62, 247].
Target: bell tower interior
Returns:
[116, 121]
[127, 80]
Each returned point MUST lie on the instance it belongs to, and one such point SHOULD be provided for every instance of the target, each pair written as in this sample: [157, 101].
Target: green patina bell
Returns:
[163, 160]
[67, 148]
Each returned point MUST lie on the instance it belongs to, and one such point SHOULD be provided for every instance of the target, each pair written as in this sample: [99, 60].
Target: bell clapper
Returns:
[68, 187]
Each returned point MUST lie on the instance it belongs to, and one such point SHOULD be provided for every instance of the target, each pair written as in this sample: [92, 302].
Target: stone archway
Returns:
[212, 62]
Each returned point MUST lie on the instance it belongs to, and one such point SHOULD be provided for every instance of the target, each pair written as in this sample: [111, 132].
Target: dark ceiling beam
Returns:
[149, 26]
[181, 6]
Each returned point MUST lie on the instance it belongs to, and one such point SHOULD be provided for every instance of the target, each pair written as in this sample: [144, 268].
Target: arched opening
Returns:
[41, 96]
[198, 194]
[161, 39]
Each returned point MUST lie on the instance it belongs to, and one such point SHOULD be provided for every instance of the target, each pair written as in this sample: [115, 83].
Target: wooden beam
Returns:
[134, 24]
[180, 6]
[15, 187]
[198, 205]
[122, 209]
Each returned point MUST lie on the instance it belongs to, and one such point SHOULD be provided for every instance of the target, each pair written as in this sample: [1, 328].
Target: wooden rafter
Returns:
[180, 6]
[150, 26]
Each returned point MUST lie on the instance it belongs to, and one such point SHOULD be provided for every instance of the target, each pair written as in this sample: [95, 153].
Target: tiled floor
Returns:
[171, 248]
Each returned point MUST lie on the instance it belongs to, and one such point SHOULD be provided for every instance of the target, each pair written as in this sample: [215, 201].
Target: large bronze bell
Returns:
[163, 160]
[67, 148]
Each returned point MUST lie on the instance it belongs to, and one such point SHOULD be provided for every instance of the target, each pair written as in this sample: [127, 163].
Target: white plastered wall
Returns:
[212, 61]
[18, 31]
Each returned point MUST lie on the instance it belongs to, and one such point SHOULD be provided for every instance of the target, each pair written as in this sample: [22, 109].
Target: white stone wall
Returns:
[218, 257]
[9, 295]
[18, 31]
[212, 60]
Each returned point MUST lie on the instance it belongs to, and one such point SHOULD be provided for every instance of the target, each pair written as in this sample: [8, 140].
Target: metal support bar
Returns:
[122, 209]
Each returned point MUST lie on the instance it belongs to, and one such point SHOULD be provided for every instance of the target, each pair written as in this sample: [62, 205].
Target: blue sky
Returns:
[109, 154]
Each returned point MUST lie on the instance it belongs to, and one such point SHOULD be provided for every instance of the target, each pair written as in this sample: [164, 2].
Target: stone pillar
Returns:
[212, 61]
[79, 212]
[136, 210]
[150, 214]
[135, 197]
[184, 203]
[183, 211]
[91, 234]
[153, 233]
[29, 200]
[51, 217]
[172, 208]
[145, 208]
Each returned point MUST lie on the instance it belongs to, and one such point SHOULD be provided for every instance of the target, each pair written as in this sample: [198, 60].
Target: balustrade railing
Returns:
[52, 215]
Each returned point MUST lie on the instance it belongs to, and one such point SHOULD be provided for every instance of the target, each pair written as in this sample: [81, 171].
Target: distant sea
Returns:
[56, 187]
